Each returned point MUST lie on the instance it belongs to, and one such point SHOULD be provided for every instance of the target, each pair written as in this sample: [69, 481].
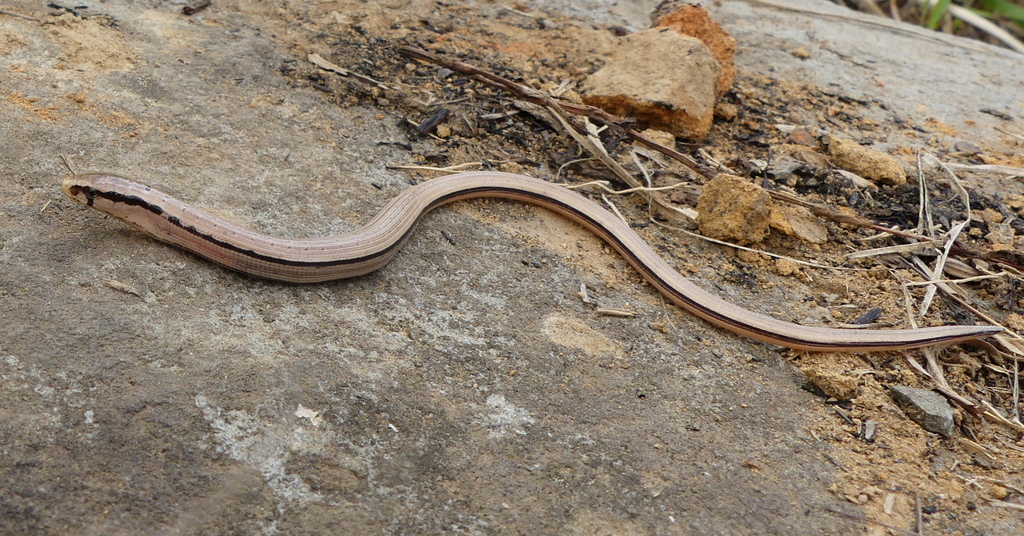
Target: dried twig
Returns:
[823, 211]
[1009, 340]
[994, 416]
[974, 479]
[446, 169]
[981, 24]
[956, 281]
[919, 519]
[538, 97]
[10, 13]
[558, 174]
[1016, 391]
[586, 134]
[987, 168]
[606, 186]
[532, 95]
[758, 251]
[925, 222]
[608, 311]
[583, 132]
[912, 247]
[320, 62]
[614, 209]
[868, 20]
[1008, 133]
[936, 272]
[1004, 504]
[517, 12]
[68, 164]
[954, 232]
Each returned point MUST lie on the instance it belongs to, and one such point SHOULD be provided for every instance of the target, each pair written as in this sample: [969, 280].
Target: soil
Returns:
[467, 387]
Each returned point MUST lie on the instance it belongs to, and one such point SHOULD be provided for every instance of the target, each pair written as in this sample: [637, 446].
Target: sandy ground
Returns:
[465, 388]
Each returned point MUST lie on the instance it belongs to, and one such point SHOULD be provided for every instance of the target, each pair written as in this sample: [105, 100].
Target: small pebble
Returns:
[801, 53]
[927, 408]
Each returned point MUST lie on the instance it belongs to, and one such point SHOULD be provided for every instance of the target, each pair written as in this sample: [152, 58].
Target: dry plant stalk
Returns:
[539, 97]
[560, 109]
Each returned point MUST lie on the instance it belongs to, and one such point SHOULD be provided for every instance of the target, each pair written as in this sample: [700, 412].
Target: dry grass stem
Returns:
[614, 209]
[608, 311]
[974, 479]
[10, 13]
[446, 169]
[925, 223]
[561, 168]
[320, 62]
[919, 517]
[913, 247]
[606, 186]
[869, 20]
[981, 24]
[68, 164]
[543, 99]
[718, 166]
[936, 273]
[956, 281]
[1004, 504]
[987, 168]
[760, 251]
[517, 12]
[583, 294]
[1011, 134]
[954, 232]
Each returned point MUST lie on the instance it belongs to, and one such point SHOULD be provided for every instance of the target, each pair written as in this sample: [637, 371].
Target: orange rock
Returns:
[694, 21]
[868, 163]
[662, 78]
[734, 210]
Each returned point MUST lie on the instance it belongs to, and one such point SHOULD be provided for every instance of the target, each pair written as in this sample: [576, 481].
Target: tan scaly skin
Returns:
[371, 247]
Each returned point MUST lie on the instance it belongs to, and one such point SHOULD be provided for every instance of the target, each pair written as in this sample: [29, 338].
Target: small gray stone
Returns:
[927, 408]
[966, 147]
[1001, 233]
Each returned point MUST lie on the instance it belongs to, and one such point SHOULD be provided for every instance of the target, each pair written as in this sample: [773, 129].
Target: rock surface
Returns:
[438, 395]
[927, 408]
[464, 388]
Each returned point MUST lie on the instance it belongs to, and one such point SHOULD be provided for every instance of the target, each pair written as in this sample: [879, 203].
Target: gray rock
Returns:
[927, 408]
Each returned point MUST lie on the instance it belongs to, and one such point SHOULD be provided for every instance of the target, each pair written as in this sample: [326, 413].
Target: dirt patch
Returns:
[9, 41]
[90, 43]
[567, 332]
